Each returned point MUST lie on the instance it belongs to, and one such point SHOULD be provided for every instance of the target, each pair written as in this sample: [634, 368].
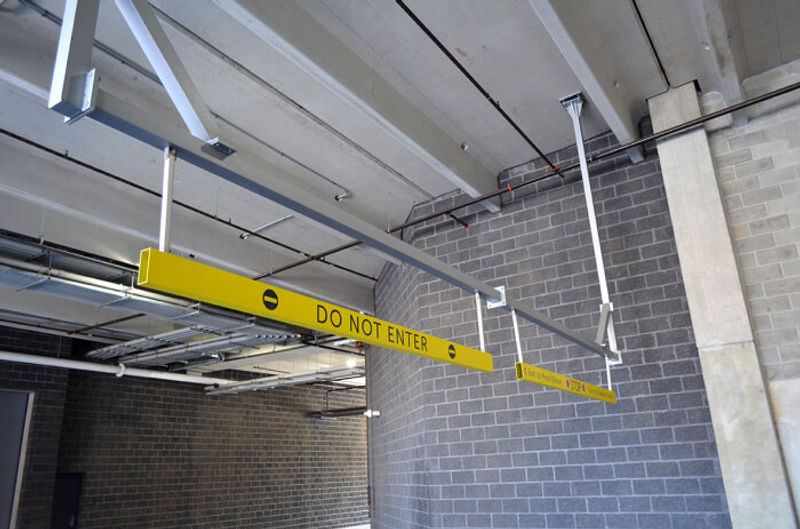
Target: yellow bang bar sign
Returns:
[175, 275]
[543, 377]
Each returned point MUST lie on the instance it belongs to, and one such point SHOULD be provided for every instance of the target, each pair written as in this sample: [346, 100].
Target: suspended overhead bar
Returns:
[183, 277]
[273, 183]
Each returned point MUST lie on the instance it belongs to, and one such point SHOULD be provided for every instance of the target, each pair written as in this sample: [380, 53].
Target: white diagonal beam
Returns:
[165, 61]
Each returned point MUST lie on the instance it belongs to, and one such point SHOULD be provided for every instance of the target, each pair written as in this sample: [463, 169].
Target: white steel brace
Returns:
[73, 58]
[73, 90]
[493, 303]
[573, 105]
[165, 225]
[516, 335]
[480, 320]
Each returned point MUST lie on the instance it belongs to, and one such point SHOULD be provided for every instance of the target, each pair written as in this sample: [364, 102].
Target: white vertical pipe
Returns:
[516, 335]
[166, 200]
[574, 110]
[480, 319]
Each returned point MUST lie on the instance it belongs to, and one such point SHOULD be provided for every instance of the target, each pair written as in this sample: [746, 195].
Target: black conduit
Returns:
[193, 209]
[477, 85]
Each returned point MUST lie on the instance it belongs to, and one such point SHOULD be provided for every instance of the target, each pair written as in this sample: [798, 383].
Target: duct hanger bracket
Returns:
[217, 149]
[495, 303]
[89, 98]
[574, 99]
[602, 327]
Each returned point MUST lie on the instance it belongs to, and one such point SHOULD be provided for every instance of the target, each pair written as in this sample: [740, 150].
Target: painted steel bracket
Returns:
[495, 303]
[89, 97]
[602, 327]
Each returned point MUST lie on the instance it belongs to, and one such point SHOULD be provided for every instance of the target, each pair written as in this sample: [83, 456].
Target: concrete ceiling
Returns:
[348, 96]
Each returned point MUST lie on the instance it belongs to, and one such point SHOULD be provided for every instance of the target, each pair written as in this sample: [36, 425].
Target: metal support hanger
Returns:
[480, 320]
[165, 224]
[605, 331]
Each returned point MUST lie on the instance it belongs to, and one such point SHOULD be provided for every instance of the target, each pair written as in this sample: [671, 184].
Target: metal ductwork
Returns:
[202, 348]
[211, 338]
[342, 412]
[44, 324]
[289, 380]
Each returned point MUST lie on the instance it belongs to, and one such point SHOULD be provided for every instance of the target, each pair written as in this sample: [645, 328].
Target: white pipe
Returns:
[516, 335]
[270, 224]
[480, 319]
[166, 200]
[104, 368]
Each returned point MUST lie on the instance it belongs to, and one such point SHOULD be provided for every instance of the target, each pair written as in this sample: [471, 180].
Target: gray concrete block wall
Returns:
[49, 386]
[499, 453]
[758, 171]
[159, 454]
[397, 447]
[758, 167]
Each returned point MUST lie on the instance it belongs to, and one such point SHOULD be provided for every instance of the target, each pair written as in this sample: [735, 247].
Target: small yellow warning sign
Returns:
[543, 377]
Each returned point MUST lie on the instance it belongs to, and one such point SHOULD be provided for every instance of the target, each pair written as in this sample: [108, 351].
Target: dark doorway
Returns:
[14, 418]
[66, 496]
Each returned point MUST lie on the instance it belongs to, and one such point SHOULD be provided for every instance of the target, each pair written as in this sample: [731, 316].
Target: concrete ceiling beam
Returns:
[702, 41]
[296, 35]
[589, 61]
[723, 52]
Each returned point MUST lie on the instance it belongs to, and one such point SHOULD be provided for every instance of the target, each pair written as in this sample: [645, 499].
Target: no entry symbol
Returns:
[270, 299]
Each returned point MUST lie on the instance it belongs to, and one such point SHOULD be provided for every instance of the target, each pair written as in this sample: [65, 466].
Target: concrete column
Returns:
[755, 481]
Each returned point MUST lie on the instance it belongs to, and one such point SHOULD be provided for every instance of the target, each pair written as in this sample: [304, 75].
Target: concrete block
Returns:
[729, 160]
[776, 255]
[754, 168]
